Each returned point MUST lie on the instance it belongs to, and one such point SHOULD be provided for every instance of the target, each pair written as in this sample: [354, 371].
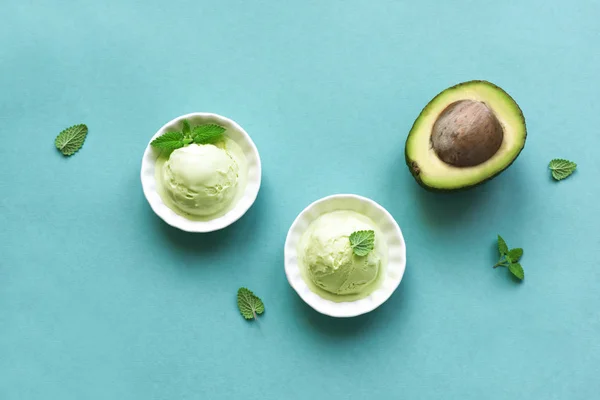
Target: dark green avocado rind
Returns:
[413, 165]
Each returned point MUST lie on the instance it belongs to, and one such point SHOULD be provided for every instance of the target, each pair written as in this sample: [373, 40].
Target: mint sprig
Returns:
[510, 259]
[362, 242]
[561, 168]
[201, 134]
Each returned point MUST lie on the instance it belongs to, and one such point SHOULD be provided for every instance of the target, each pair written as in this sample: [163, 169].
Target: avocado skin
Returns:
[413, 165]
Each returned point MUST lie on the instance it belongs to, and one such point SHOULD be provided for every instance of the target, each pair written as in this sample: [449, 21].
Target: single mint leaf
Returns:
[186, 130]
[515, 254]
[561, 168]
[169, 141]
[362, 242]
[502, 247]
[517, 270]
[71, 139]
[208, 133]
[249, 304]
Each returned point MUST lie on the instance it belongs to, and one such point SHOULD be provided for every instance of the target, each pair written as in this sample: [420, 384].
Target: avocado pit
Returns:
[466, 133]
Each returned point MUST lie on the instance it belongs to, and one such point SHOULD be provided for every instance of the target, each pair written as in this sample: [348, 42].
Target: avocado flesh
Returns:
[433, 173]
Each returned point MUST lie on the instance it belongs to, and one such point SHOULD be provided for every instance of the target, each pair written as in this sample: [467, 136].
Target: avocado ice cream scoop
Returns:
[329, 259]
[201, 179]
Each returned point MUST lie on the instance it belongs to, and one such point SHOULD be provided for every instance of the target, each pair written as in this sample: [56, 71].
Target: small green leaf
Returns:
[517, 270]
[515, 254]
[362, 242]
[249, 304]
[169, 141]
[186, 130]
[509, 259]
[561, 168]
[208, 133]
[502, 247]
[70, 140]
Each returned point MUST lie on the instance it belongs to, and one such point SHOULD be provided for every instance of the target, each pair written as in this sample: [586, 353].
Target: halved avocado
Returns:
[465, 136]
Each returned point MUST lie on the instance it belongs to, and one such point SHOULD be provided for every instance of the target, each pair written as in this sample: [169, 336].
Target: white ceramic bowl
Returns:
[236, 133]
[392, 235]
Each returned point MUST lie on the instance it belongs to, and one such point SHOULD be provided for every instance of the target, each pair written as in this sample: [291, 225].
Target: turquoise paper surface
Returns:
[99, 299]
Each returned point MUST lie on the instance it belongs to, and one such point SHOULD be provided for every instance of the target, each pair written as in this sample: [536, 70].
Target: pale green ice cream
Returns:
[328, 258]
[200, 180]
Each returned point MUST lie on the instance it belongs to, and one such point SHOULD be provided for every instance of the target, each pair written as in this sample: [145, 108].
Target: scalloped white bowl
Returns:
[393, 271]
[236, 133]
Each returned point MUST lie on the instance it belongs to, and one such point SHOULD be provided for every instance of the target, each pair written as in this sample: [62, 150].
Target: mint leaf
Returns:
[517, 270]
[169, 141]
[502, 247]
[70, 140]
[186, 130]
[515, 254]
[561, 169]
[249, 304]
[362, 242]
[208, 133]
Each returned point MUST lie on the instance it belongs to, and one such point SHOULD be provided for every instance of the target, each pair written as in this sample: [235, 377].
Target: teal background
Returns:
[99, 299]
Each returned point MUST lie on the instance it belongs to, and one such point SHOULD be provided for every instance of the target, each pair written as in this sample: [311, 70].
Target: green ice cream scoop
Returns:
[328, 257]
[200, 179]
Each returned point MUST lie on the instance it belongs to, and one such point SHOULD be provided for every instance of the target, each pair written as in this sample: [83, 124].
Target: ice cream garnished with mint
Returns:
[200, 173]
[342, 256]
